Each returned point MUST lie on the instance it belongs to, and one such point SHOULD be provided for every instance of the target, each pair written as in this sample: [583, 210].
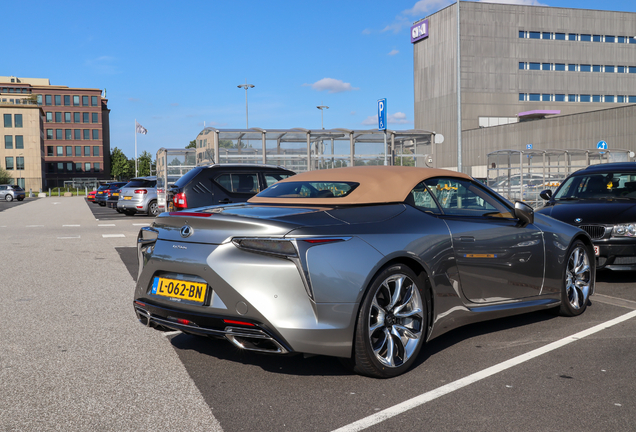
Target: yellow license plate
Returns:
[116, 194]
[174, 288]
[127, 198]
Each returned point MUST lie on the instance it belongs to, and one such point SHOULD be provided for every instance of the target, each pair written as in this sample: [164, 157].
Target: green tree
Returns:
[144, 164]
[193, 144]
[119, 166]
[5, 177]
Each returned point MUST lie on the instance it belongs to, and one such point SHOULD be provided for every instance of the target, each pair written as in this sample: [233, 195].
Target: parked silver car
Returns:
[11, 192]
[362, 263]
[139, 195]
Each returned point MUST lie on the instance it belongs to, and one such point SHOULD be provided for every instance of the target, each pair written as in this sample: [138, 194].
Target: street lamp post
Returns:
[246, 86]
[321, 108]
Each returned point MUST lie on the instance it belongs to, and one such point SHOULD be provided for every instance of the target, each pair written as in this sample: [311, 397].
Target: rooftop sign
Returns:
[419, 31]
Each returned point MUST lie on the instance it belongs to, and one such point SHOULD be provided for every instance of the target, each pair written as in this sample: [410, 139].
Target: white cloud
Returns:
[353, 113]
[332, 85]
[397, 118]
[393, 52]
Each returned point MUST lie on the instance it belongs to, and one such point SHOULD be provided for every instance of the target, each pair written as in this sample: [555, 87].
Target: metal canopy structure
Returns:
[303, 149]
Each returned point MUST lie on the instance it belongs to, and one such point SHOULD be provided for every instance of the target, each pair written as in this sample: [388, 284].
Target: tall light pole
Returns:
[321, 108]
[246, 86]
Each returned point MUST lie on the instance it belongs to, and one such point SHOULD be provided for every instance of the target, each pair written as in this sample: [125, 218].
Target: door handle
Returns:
[467, 238]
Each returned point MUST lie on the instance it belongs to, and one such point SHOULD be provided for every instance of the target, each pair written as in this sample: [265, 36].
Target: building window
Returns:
[58, 100]
[69, 166]
[59, 134]
[631, 99]
[559, 98]
[596, 38]
[545, 66]
[522, 34]
[76, 100]
[8, 141]
[596, 98]
[78, 151]
[632, 69]
[534, 66]
[620, 69]
[68, 134]
[572, 36]
[559, 36]
[18, 120]
[535, 97]
[19, 142]
[585, 68]
[85, 117]
[596, 68]
[609, 69]
[67, 100]
[49, 117]
[94, 101]
[84, 100]
[584, 98]
[95, 134]
[620, 99]
[545, 97]
[60, 167]
[87, 167]
[59, 151]
[522, 97]
[610, 39]
[546, 35]
[76, 117]
[78, 167]
[19, 163]
[67, 117]
[632, 39]
[69, 151]
[58, 117]
[87, 151]
[571, 68]
[559, 66]
[586, 38]
[77, 134]
[95, 118]
[48, 100]
[8, 162]
[571, 98]
[49, 134]
[96, 166]
[87, 134]
[7, 121]
[522, 65]
[609, 98]
[95, 150]
[534, 35]
[621, 39]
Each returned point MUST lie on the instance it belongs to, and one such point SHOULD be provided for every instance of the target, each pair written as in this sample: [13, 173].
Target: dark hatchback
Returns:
[104, 192]
[600, 199]
[222, 184]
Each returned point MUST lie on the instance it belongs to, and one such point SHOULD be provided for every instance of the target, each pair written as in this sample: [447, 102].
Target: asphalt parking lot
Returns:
[74, 356]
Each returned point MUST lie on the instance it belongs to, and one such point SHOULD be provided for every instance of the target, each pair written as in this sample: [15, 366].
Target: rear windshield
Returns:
[142, 183]
[101, 188]
[185, 179]
[309, 190]
[18, 188]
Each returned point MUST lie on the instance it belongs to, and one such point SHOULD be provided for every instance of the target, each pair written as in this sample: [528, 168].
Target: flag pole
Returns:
[135, 147]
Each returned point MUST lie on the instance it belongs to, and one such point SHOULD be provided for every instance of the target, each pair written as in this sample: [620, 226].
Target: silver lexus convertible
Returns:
[362, 263]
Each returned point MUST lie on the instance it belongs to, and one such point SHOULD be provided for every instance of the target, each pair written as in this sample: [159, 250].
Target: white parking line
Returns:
[105, 224]
[64, 238]
[70, 225]
[141, 224]
[112, 235]
[477, 376]
[35, 226]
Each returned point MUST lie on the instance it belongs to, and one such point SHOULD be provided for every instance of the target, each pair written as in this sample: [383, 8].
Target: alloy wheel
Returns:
[578, 277]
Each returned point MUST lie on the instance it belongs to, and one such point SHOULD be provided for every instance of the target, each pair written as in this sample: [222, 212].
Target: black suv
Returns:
[222, 184]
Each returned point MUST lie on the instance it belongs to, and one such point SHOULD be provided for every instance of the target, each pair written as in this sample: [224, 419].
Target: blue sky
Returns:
[175, 65]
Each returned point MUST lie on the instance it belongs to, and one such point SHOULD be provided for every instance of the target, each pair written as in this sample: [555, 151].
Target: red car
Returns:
[91, 196]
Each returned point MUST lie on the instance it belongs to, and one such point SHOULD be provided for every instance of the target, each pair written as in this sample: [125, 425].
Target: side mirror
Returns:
[546, 194]
[524, 212]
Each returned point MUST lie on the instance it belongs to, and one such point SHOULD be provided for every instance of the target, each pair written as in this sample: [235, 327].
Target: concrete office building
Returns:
[53, 134]
[524, 63]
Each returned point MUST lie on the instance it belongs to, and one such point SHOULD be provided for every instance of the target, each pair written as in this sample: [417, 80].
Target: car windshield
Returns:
[309, 189]
[17, 188]
[598, 186]
[141, 183]
[102, 188]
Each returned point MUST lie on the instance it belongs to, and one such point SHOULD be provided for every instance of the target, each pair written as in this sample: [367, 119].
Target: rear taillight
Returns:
[141, 191]
[180, 201]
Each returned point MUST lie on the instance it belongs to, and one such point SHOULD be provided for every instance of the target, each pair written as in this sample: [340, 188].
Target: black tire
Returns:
[102, 204]
[391, 325]
[153, 209]
[129, 213]
[578, 280]
[8, 197]
[20, 199]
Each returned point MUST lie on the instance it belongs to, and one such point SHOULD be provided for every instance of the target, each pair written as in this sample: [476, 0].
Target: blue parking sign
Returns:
[601, 145]
[382, 114]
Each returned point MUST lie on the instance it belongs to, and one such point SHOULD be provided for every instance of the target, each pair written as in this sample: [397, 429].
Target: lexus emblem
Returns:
[577, 220]
[186, 231]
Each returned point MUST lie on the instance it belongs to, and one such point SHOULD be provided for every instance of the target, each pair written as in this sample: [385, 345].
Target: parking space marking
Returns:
[35, 226]
[113, 235]
[106, 225]
[614, 301]
[70, 225]
[477, 376]
[73, 237]
[141, 224]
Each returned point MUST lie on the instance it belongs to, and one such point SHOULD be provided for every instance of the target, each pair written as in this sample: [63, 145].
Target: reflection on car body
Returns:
[362, 263]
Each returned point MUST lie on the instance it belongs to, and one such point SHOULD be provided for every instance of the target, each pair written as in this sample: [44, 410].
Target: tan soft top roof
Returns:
[378, 184]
